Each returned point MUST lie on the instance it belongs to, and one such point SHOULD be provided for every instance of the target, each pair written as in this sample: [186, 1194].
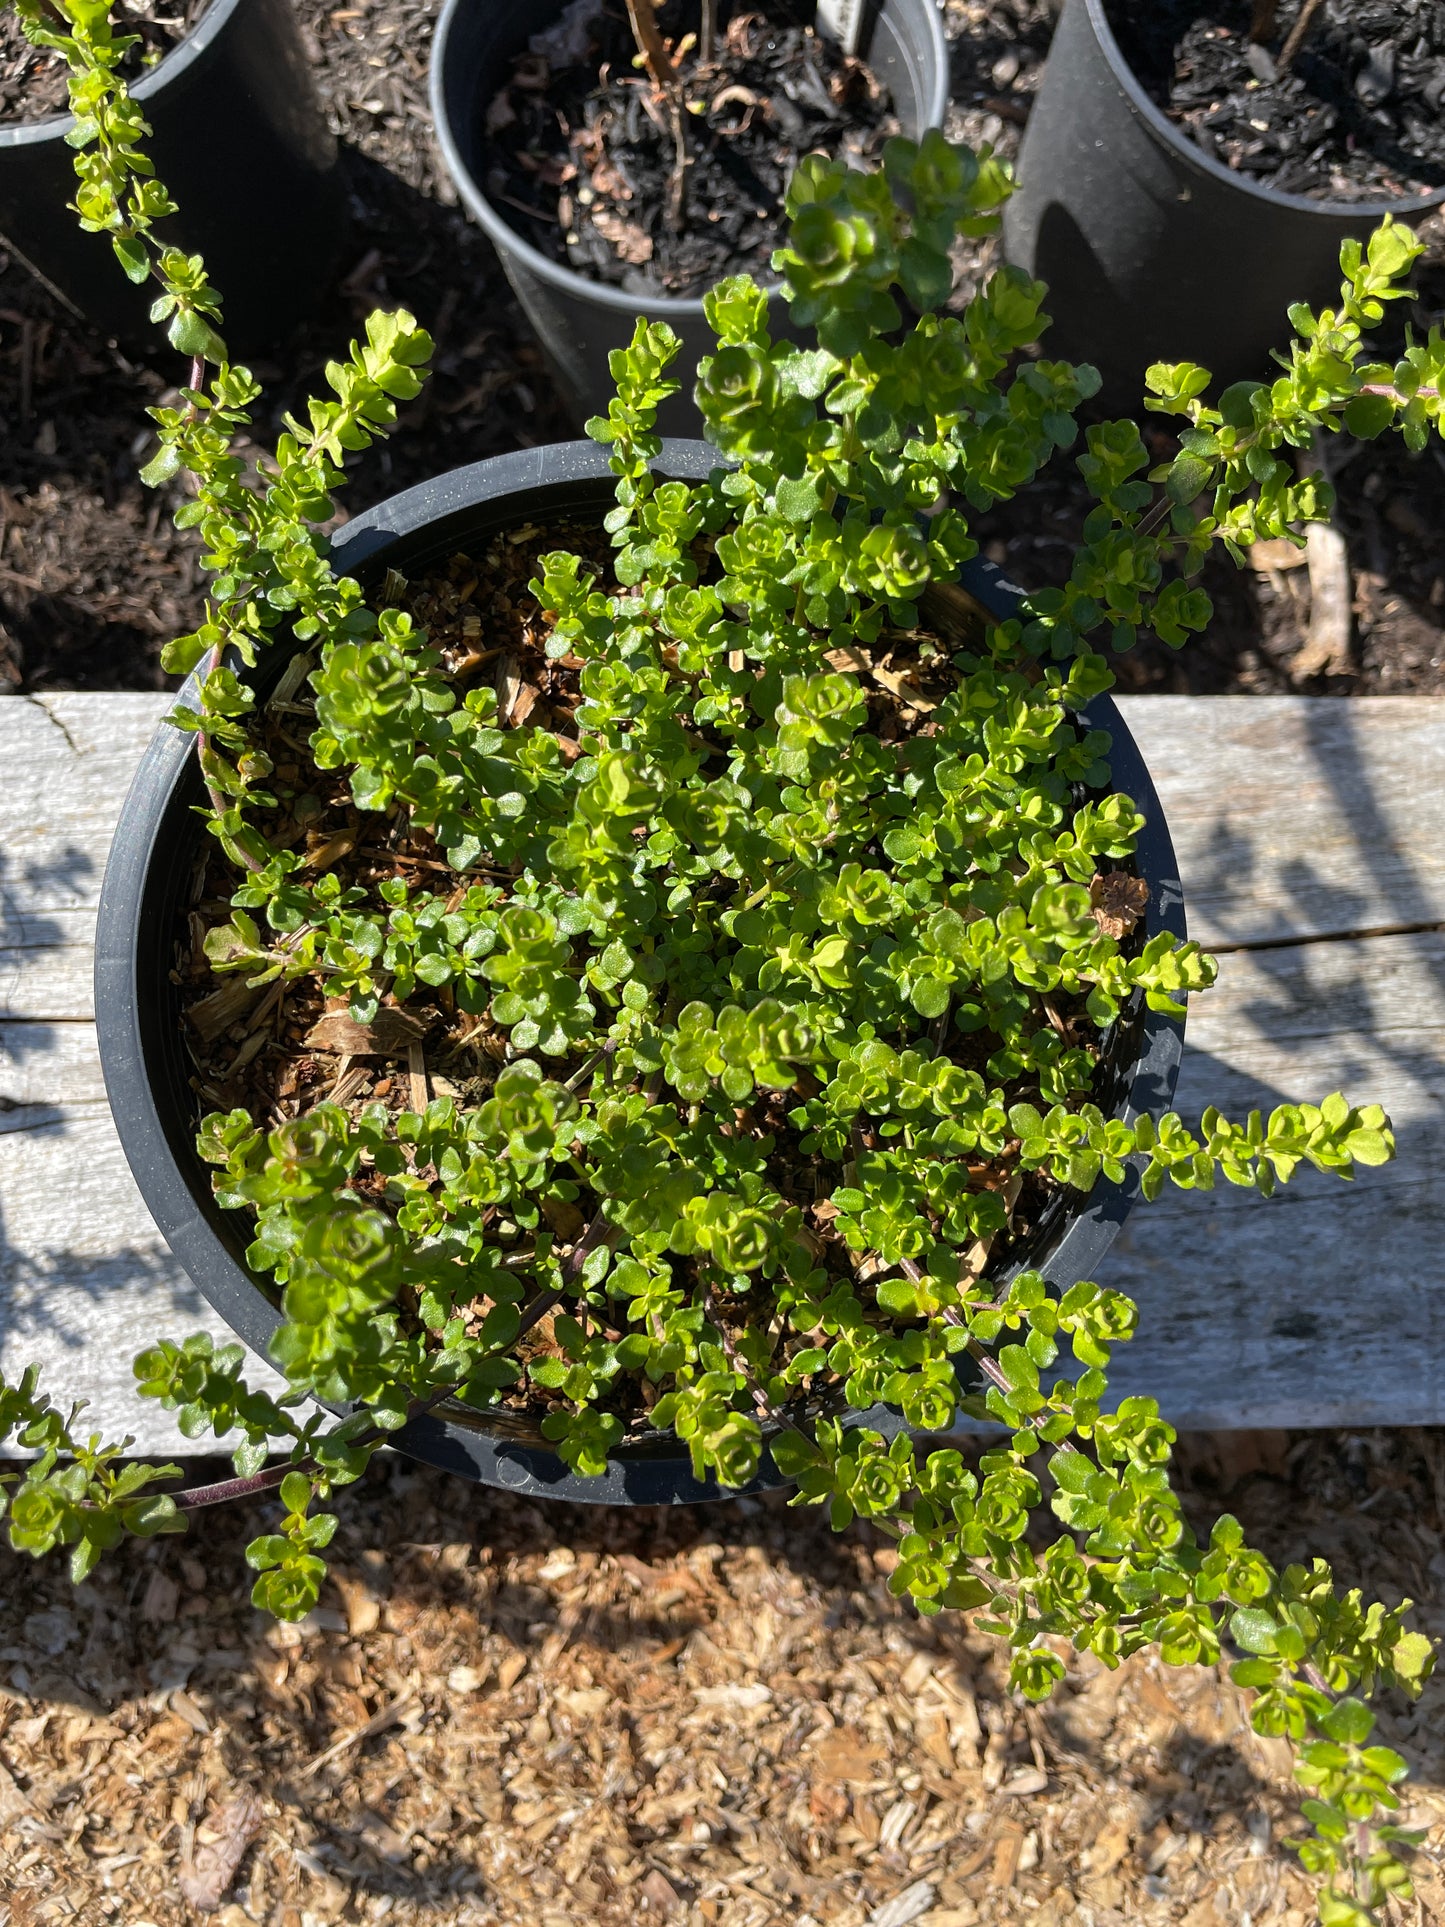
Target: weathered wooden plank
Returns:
[1355, 1320]
[1294, 816]
[67, 762]
[1287, 820]
[85, 1278]
[45, 969]
[45, 1066]
[1326, 1304]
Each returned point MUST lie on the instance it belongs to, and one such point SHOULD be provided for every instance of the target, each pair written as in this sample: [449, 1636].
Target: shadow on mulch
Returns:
[509, 1711]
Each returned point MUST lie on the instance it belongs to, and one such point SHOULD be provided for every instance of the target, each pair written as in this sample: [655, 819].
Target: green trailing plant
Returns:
[743, 936]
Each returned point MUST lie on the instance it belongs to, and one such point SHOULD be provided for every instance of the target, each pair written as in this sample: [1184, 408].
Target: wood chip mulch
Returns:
[505, 1712]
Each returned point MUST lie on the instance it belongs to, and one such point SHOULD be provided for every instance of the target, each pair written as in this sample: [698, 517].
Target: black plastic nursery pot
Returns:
[154, 873]
[240, 140]
[579, 321]
[1153, 250]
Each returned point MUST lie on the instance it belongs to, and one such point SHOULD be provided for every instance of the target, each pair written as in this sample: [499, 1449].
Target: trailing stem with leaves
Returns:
[792, 989]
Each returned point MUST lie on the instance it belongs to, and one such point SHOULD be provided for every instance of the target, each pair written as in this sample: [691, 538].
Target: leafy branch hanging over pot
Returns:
[787, 986]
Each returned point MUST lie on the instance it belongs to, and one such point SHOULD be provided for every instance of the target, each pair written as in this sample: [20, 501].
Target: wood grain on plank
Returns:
[45, 966]
[67, 761]
[1324, 1305]
[86, 1280]
[1292, 817]
[1297, 816]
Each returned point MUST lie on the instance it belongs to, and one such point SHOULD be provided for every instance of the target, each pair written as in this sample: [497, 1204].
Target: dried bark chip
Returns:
[632, 243]
[13, 1803]
[527, 697]
[1108, 1849]
[659, 1894]
[900, 683]
[848, 658]
[1276, 552]
[508, 682]
[391, 1033]
[1119, 901]
[1028, 1779]
[162, 1596]
[363, 1608]
[204, 1879]
[909, 1905]
[844, 1757]
[565, 1219]
[1006, 1856]
[211, 1016]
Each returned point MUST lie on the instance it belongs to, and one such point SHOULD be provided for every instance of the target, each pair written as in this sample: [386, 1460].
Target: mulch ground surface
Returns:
[565, 1717]
[93, 579]
[1352, 115]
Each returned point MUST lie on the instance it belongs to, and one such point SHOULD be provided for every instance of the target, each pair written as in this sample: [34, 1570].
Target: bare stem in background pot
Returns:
[643, 16]
[1304, 20]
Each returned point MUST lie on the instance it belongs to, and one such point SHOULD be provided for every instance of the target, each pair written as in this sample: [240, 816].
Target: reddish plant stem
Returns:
[599, 1232]
[224, 1489]
[765, 1406]
[1385, 388]
[218, 1494]
[952, 1316]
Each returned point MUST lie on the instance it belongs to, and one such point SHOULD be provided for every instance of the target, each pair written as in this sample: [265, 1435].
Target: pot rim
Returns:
[507, 240]
[195, 46]
[1189, 152]
[180, 1201]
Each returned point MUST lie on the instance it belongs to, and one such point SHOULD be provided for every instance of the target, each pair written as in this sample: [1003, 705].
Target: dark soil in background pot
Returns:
[32, 79]
[1358, 114]
[583, 161]
[93, 578]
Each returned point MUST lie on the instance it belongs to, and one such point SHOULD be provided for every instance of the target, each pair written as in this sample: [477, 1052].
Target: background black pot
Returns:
[149, 884]
[242, 144]
[579, 321]
[1152, 250]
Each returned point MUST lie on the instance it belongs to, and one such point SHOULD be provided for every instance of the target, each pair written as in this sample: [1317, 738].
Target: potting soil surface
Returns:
[93, 578]
[536, 1715]
[588, 163]
[32, 79]
[1355, 114]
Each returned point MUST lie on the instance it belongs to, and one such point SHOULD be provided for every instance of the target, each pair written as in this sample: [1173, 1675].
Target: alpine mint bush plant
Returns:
[789, 1006]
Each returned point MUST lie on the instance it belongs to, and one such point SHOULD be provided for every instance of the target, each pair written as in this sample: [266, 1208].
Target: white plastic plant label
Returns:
[841, 21]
